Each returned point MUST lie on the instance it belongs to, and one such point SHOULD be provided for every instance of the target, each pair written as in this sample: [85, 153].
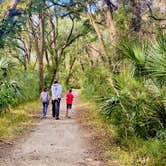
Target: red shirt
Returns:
[69, 98]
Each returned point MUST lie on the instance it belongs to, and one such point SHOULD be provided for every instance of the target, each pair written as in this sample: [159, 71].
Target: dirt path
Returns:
[53, 143]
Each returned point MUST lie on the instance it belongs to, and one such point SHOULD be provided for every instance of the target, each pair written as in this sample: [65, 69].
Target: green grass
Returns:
[18, 120]
[133, 151]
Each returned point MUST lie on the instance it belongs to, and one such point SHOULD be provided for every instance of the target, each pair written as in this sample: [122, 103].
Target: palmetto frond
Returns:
[136, 53]
[156, 59]
[6, 66]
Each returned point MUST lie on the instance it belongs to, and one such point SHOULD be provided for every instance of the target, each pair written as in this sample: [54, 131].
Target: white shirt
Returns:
[44, 96]
[56, 91]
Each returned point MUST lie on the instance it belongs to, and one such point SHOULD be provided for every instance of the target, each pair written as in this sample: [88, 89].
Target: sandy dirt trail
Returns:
[53, 143]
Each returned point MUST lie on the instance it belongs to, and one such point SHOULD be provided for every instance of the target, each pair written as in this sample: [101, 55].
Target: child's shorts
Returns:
[69, 106]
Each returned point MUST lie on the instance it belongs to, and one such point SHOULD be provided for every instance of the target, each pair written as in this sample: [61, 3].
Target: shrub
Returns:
[96, 83]
[15, 86]
[142, 113]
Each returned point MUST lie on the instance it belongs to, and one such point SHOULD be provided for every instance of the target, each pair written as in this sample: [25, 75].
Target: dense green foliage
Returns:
[116, 52]
[137, 108]
[130, 90]
[16, 87]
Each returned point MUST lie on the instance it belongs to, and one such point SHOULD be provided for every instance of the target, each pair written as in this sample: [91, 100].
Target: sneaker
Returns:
[57, 118]
[68, 117]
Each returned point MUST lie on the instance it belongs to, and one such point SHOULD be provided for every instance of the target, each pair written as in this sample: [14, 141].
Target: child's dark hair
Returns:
[56, 81]
[45, 88]
[70, 90]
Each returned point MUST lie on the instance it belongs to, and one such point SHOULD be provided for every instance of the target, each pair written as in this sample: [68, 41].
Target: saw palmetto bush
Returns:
[135, 52]
[96, 82]
[140, 107]
[9, 92]
[9, 89]
[156, 60]
[15, 86]
[142, 113]
[29, 82]
[149, 58]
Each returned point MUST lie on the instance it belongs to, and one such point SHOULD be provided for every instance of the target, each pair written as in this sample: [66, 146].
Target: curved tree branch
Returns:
[152, 15]
[69, 36]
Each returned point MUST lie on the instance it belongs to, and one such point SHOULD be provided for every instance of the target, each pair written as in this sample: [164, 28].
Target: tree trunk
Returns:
[100, 38]
[39, 48]
[135, 23]
[72, 62]
[40, 57]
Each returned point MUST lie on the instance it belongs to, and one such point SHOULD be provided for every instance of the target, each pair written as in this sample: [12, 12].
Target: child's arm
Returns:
[48, 96]
[41, 96]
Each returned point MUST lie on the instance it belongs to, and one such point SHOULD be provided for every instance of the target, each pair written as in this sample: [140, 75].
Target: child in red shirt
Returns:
[69, 101]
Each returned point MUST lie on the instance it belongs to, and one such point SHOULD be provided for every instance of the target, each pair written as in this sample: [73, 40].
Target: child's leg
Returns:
[67, 112]
[66, 109]
[46, 108]
[71, 107]
[53, 108]
[43, 111]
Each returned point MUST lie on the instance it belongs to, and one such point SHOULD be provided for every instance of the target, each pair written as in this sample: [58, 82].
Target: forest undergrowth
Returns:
[114, 150]
[17, 121]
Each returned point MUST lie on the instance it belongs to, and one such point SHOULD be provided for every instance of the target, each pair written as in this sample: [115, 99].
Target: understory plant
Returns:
[143, 114]
[16, 87]
[134, 99]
